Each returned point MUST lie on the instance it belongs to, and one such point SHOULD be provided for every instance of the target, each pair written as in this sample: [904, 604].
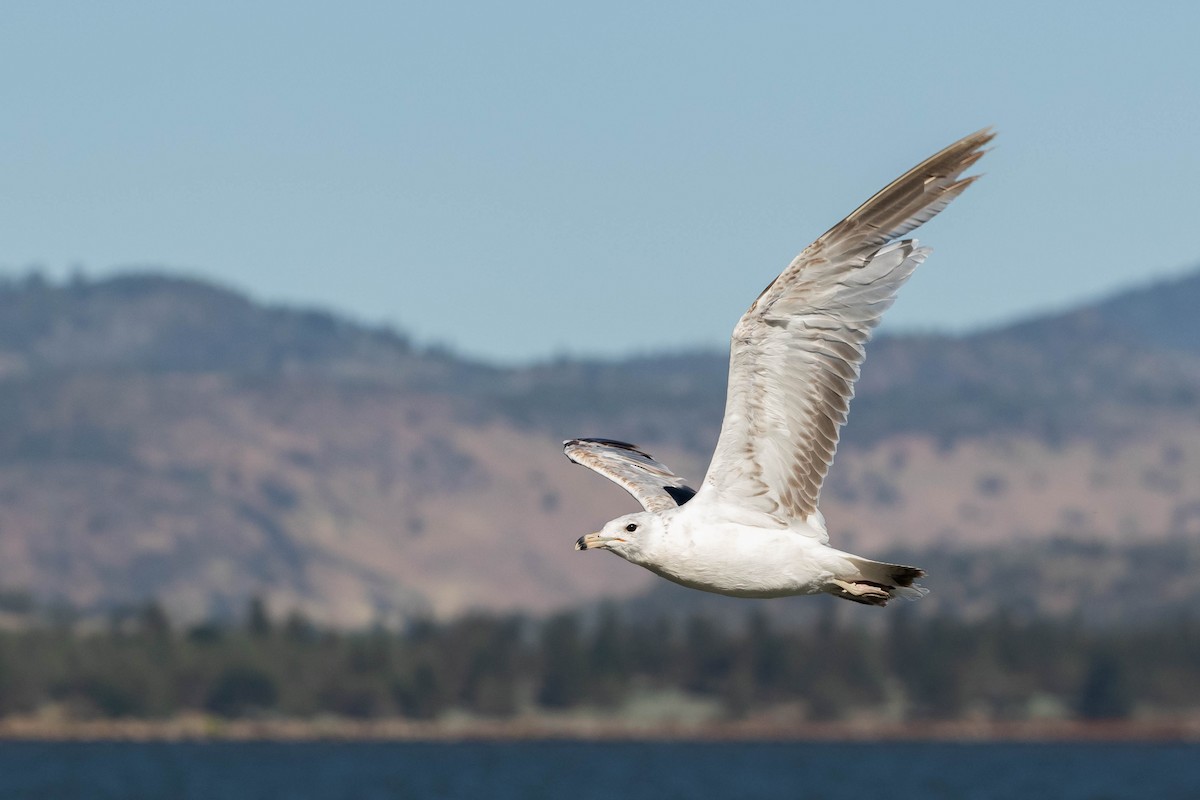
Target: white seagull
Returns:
[753, 529]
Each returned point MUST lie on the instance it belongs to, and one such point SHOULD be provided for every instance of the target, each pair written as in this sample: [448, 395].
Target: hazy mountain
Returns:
[170, 438]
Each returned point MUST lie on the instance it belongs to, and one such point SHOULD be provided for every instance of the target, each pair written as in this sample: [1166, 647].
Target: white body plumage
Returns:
[739, 560]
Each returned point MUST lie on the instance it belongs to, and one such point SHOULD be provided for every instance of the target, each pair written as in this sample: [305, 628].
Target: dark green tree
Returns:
[258, 621]
[564, 668]
[608, 660]
[240, 690]
[421, 695]
[1105, 690]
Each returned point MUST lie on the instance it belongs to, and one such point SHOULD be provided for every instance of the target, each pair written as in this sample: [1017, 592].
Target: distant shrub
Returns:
[991, 485]
[240, 690]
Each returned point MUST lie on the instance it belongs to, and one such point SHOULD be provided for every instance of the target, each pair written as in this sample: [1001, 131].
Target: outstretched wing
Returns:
[651, 483]
[795, 354]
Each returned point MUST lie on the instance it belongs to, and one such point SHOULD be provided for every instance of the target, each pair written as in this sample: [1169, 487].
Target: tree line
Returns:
[144, 666]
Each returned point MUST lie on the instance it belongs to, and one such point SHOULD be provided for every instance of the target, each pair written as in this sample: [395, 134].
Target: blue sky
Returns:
[521, 180]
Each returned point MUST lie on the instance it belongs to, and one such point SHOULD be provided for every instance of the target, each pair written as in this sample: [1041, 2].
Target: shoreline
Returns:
[209, 729]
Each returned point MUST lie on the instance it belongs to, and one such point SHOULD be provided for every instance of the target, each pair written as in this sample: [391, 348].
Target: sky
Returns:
[519, 181]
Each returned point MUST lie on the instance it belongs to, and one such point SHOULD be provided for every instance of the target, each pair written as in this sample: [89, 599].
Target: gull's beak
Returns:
[594, 541]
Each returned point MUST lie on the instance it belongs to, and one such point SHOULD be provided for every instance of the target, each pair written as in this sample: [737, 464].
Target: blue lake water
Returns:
[581, 771]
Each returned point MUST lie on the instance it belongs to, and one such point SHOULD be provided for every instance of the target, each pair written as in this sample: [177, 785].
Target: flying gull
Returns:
[753, 528]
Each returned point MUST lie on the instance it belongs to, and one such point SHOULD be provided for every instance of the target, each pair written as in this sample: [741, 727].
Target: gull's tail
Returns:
[876, 582]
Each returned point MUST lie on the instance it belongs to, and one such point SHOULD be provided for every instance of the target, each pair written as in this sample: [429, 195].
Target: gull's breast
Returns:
[743, 561]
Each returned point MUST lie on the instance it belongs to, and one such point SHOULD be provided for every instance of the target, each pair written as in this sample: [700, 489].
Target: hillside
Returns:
[169, 438]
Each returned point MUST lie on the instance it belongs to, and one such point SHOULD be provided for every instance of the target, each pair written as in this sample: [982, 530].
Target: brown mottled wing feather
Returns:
[651, 483]
[795, 354]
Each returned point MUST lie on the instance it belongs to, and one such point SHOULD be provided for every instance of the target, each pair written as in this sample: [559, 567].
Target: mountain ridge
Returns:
[168, 438]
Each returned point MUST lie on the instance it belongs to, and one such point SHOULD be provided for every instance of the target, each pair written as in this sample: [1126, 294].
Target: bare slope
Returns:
[170, 438]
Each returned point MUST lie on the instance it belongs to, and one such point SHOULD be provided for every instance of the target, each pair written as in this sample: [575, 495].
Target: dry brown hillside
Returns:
[170, 439]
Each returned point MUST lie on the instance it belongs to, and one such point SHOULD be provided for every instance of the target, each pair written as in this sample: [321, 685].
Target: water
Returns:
[582, 771]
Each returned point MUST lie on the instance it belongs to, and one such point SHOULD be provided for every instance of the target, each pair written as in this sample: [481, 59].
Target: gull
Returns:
[753, 528]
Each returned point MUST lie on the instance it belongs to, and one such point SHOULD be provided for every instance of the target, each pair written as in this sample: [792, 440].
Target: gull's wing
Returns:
[651, 483]
[796, 352]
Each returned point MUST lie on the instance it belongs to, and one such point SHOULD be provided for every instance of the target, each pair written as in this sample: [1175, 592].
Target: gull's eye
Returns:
[631, 527]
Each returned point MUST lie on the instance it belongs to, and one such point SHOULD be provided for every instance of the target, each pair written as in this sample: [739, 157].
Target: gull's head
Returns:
[628, 536]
